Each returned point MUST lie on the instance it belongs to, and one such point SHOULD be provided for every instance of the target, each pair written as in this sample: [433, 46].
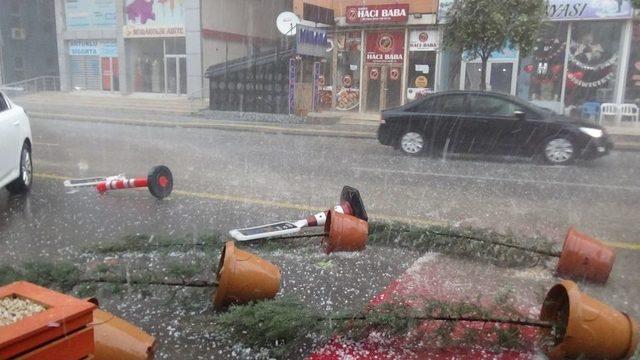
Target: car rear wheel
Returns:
[412, 142]
[23, 183]
[559, 151]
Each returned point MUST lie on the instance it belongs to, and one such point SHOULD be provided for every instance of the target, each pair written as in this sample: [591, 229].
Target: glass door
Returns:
[392, 87]
[373, 88]
[176, 74]
[501, 77]
[384, 87]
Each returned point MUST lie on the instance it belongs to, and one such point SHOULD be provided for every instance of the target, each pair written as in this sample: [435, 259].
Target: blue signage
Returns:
[312, 41]
[93, 48]
[86, 14]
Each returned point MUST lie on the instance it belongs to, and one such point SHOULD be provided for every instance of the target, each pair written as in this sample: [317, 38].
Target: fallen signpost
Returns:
[159, 181]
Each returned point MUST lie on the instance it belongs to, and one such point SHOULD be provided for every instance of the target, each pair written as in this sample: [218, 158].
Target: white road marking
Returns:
[489, 178]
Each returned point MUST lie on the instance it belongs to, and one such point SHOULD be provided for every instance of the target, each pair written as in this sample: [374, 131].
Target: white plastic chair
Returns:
[630, 110]
[608, 109]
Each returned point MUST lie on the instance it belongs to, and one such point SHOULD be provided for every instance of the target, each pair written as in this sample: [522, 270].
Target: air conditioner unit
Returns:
[18, 34]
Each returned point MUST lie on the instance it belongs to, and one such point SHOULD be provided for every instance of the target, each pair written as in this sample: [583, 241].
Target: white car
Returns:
[16, 169]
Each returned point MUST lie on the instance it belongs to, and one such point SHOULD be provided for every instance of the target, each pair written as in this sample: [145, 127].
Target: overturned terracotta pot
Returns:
[345, 232]
[585, 258]
[244, 277]
[115, 338]
[585, 327]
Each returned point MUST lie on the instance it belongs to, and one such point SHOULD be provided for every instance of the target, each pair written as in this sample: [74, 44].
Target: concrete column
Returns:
[193, 43]
[125, 79]
[63, 54]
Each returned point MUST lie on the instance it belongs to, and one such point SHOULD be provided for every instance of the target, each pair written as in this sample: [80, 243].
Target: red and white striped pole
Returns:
[159, 181]
[121, 184]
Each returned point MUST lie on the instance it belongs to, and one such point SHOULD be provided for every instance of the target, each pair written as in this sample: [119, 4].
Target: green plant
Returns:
[61, 275]
[478, 28]
[466, 242]
[271, 324]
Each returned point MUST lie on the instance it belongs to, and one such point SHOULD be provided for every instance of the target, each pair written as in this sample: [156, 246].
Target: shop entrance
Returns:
[383, 87]
[176, 74]
[501, 76]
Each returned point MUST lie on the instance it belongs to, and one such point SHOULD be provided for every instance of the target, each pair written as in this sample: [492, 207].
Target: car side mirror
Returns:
[520, 115]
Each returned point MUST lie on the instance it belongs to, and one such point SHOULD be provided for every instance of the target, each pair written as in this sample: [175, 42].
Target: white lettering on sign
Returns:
[393, 12]
[130, 31]
[377, 13]
[364, 13]
[384, 57]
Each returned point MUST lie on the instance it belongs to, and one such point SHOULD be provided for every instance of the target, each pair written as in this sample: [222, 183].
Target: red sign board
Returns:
[371, 14]
[385, 47]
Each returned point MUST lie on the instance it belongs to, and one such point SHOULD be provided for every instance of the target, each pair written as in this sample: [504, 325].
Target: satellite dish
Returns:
[286, 23]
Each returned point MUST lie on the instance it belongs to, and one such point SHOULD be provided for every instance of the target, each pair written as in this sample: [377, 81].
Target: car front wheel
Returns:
[559, 151]
[23, 183]
[412, 143]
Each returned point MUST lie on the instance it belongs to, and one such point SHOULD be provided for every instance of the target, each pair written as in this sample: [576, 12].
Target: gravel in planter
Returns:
[14, 308]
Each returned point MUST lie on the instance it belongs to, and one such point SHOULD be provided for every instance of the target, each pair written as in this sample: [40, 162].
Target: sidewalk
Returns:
[171, 110]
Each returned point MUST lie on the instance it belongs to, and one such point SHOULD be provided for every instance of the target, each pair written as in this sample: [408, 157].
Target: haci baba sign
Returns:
[390, 13]
[385, 47]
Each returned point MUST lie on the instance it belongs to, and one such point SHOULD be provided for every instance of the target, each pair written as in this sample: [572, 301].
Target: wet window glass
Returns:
[489, 105]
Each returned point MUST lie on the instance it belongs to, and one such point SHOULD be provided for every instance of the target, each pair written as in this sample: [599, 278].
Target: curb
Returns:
[209, 125]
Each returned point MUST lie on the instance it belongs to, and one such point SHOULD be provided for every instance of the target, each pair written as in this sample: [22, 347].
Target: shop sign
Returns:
[589, 9]
[421, 81]
[374, 73]
[86, 14]
[130, 31]
[424, 40]
[371, 14]
[386, 47]
[154, 19]
[311, 41]
[93, 48]
[292, 85]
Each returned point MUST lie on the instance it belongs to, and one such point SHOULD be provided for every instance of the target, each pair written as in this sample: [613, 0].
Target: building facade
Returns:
[27, 40]
[157, 46]
[379, 55]
[387, 53]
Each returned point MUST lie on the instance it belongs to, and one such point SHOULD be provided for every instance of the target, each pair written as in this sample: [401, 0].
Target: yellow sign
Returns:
[421, 81]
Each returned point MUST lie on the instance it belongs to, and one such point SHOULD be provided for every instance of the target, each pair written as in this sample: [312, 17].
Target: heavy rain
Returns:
[311, 179]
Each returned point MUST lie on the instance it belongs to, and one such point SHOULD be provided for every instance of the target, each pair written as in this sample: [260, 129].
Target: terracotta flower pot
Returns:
[586, 327]
[244, 277]
[584, 257]
[118, 339]
[345, 232]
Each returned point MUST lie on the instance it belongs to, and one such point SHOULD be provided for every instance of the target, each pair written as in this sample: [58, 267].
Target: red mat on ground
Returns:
[437, 277]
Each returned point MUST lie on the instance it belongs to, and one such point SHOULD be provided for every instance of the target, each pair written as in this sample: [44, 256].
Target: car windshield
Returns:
[319, 179]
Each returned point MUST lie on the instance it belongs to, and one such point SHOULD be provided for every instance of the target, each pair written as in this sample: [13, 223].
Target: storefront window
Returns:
[593, 61]
[423, 45]
[541, 73]
[632, 92]
[349, 47]
[159, 65]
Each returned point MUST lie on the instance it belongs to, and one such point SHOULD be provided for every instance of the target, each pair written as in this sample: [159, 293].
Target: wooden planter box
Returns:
[59, 332]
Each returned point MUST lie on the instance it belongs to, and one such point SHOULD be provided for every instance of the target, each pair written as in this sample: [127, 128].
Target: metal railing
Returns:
[32, 86]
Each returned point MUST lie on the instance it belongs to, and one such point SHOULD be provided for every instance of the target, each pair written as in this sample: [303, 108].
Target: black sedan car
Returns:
[489, 123]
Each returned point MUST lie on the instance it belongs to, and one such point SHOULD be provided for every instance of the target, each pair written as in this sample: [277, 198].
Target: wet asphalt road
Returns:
[227, 179]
